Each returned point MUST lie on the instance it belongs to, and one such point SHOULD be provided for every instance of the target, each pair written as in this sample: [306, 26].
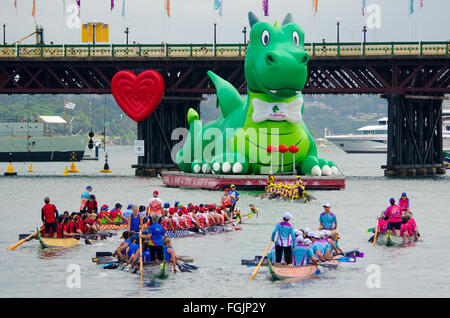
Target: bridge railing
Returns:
[222, 50]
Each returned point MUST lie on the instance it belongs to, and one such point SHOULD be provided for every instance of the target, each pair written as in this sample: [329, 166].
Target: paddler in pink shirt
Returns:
[406, 229]
[403, 202]
[394, 215]
[413, 225]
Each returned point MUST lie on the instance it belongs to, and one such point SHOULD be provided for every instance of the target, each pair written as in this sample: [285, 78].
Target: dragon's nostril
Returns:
[270, 58]
[305, 59]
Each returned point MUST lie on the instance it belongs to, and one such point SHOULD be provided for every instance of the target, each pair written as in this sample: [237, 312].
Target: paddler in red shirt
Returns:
[69, 227]
[49, 214]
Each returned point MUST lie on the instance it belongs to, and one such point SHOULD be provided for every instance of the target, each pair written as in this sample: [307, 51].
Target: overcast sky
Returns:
[191, 21]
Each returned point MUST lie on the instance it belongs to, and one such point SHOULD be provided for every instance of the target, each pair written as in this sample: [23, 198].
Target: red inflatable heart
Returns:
[138, 96]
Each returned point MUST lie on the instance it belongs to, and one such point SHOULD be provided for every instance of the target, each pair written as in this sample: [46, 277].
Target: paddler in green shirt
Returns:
[104, 215]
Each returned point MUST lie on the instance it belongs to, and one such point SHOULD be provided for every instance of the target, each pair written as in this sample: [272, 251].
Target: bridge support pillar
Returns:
[414, 136]
[157, 131]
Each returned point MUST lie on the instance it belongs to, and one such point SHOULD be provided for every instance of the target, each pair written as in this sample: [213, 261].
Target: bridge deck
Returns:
[222, 50]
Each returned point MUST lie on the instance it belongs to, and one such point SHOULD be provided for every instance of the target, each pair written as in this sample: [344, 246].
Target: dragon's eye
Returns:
[265, 37]
[295, 38]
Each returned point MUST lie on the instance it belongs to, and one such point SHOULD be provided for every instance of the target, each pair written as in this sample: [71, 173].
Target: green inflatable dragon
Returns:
[264, 132]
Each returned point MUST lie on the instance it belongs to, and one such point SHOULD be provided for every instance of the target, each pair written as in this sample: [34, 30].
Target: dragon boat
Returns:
[50, 242]
[181, 232]
[149, 268]
[387, 239]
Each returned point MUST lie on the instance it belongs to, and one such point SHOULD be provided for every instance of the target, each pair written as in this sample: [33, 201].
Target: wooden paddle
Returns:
[376, 233]
[17, 244]
[140, 254]
[255, 272]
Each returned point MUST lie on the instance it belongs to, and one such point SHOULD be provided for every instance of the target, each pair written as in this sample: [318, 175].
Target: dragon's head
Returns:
[276, 59]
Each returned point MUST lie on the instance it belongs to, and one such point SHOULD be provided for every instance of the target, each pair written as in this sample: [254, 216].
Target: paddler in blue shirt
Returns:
[169, 254]
[123, 246]
[234, 197]
[327, 219]
[285, 240]
[156, 235]
[303, 255]
[316, 246]
[134, 220]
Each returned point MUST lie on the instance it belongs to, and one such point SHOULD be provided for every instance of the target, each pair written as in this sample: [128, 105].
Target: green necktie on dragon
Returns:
[238, 142]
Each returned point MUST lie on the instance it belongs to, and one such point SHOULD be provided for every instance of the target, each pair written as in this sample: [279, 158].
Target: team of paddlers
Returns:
[176, 217]
[304, 247]
[287, 191]
[398, 219]
[292, 246]
[153, 220]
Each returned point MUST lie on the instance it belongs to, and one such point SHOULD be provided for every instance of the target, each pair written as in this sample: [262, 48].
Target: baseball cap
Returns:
[155, 192]
[327, 205]
[88, 187]
[227, 189]
[307, 241]
[314, 234]
[299, 239]
[297, 232]
[167, 204]
[118, 205]
[404, 194]
[287, 216]
[129, 206]
[232, 186]
[104, 207]
[391, 200]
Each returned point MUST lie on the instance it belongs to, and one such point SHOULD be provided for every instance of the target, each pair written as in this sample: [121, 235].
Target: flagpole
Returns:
[65, 124]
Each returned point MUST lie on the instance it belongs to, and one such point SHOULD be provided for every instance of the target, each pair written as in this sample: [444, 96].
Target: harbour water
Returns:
[413, 271]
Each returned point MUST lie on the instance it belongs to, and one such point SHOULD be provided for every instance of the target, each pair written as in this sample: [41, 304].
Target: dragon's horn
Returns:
[288, 19]
[252, 18]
